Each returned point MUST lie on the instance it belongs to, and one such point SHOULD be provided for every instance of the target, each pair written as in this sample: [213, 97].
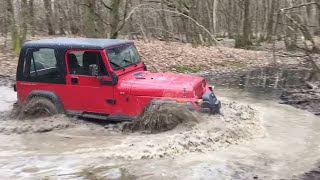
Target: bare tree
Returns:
[49, 15]
[89, 25]
[250, 22]
[244, 39]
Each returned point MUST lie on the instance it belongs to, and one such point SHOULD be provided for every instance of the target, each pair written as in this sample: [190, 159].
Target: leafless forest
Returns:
[249, 22]
[256, 52]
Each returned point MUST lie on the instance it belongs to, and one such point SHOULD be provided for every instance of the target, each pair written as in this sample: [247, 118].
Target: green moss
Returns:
[188, 69]
[231, 64]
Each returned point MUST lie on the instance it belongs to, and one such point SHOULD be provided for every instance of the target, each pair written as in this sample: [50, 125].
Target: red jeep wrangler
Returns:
[100, 78]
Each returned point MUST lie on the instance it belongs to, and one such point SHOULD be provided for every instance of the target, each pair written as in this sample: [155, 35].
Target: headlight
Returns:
[199, 102]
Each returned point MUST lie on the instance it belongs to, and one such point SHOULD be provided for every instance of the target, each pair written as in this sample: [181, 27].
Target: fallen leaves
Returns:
[179, 57]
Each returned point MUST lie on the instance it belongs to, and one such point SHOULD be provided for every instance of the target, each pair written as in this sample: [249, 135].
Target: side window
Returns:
[45, 58]
[86, 63]
[41, 64]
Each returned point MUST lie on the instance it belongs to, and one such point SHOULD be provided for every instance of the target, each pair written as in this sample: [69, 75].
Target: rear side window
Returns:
[45, 58]
[42, 61]
[41, 65]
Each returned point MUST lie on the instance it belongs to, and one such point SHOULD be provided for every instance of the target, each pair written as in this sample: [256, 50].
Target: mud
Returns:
[211, 132]
[305, 99]
[39, 125]
[264, 142]
[314, 174]
[162, 117]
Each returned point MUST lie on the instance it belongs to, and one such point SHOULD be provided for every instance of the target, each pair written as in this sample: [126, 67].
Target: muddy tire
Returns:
[38, 107]
[160, 117]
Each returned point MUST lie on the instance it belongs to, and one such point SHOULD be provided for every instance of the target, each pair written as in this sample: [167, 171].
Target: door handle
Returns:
[74, 80]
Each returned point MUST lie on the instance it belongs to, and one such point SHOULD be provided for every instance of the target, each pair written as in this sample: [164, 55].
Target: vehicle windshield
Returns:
[124, 56]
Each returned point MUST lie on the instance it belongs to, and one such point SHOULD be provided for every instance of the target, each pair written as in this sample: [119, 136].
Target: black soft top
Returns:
[77, 43]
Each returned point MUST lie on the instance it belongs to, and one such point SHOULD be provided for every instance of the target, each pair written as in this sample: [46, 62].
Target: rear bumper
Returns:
[210, 103]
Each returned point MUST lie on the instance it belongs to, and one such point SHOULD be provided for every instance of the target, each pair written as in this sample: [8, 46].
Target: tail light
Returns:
[15, 87]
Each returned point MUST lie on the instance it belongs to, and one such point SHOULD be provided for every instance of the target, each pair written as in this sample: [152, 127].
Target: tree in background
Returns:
[249, 22]
[48, 12]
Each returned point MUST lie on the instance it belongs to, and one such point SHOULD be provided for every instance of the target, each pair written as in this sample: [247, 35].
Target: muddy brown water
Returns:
[285, 83]
[288, 147]
[268, 80]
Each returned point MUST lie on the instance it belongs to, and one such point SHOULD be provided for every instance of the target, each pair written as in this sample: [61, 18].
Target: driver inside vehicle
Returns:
[73, 64]
[92, 64]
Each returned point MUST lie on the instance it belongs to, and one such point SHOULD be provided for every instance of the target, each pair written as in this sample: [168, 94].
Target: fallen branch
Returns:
[300, 5]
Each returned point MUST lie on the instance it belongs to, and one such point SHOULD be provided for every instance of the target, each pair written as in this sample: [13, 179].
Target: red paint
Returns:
[131, 93]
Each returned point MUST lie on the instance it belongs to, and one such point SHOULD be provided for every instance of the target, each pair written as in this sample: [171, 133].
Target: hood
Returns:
[145, 83]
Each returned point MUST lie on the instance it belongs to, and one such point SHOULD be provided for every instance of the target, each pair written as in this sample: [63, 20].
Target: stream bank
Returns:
[287, 83]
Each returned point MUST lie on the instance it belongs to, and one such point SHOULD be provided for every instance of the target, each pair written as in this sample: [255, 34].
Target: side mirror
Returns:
[94, 70]
[114, 80]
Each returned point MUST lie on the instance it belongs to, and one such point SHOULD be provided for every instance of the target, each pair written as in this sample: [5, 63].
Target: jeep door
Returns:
[84, 68]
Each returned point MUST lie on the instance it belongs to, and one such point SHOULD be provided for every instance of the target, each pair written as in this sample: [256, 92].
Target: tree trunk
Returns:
[89, 25]
[270, 20]
[143, 21]
[115, 18]
[244, 41]
[318, 12]
[61, 29]
[312, 17]
[47, 6]
[15, 36]
[31, 11]
[162, 15]
[25, 21]
[214, 16]
[74, 12]
[229, 21]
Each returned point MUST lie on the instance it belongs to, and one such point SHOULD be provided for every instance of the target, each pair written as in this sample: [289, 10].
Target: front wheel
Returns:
[160, 116]
[38, 107]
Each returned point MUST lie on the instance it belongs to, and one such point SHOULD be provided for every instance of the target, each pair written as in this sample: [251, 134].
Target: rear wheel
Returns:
[38, 107]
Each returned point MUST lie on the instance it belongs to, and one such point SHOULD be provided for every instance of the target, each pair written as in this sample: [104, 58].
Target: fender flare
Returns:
[50, 95]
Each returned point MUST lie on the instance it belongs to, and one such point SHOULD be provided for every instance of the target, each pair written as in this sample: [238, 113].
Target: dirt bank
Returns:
[314, 174]
[305, 99]
[287, 83]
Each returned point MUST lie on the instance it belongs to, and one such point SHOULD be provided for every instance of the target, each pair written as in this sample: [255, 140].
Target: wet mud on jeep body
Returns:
[100, 78]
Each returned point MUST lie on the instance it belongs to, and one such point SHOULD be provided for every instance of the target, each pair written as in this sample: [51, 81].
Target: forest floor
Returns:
[183, 58]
